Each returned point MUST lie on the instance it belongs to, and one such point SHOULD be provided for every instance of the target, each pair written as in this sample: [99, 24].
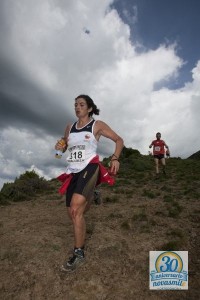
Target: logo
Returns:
[87, 136]
[168, 270]
[85, 174]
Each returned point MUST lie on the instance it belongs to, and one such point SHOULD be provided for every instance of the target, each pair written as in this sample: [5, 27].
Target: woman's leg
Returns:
[77, 209]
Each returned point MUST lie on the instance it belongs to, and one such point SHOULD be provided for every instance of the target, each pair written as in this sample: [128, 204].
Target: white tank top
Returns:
[82, 147]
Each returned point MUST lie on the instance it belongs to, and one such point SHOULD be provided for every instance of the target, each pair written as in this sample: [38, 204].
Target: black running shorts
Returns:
[83, 183]
[159, 156]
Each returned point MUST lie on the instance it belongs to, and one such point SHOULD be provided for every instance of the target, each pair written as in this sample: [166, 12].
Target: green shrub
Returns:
[149, 194]
[176, 233]
[111, 199]
[172, 245]
[140, 216]
[125, 225]
[168, 198]
[127, 152]
[23, 188]
[174, 210]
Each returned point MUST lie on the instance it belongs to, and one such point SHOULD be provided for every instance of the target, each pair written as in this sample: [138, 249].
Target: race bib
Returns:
[157, 148]
[76, 153]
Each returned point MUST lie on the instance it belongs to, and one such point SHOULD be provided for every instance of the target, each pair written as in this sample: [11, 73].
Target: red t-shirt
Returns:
[158, 147]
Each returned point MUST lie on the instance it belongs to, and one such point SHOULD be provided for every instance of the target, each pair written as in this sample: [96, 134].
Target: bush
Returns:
[23, 188]
[127, 152]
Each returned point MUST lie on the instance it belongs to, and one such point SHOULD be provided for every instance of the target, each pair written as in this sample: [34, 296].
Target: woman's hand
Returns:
[61, 145]
[114, 166]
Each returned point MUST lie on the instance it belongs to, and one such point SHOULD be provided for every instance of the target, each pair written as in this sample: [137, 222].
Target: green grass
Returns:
[125, 225]
[115, 216]
[173, 245]
[148, 194]
[176, 233]
[55, 247]
[111, 199]
[174, 210]
[140, 216]
[168, 198]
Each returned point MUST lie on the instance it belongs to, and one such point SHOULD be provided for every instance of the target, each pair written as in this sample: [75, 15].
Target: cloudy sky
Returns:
[138, 59]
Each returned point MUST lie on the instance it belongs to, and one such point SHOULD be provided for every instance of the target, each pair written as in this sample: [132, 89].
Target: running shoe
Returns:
[97, 197]
[74, 262]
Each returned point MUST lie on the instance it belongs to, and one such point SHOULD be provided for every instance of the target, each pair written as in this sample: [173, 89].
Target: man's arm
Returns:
[151, 145]
[165, 145]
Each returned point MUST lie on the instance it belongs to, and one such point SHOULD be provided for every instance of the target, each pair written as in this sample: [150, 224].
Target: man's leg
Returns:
[163, 165]
[157, 165]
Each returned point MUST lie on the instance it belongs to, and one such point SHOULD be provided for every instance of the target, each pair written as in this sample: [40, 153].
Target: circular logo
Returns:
[169, 262]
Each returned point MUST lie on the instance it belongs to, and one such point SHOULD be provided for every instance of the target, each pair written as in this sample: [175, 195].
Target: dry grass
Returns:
[137, 216]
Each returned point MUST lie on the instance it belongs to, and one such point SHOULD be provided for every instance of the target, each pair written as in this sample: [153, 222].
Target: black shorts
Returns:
[83, 183]
[159, 156]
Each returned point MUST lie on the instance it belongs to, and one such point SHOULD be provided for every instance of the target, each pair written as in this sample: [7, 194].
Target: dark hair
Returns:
[90, 103]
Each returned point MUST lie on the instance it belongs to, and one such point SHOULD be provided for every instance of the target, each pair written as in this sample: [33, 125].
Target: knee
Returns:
[75, 213]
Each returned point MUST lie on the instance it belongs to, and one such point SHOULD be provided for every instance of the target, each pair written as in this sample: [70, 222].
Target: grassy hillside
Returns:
[195, 156]
[138, 214]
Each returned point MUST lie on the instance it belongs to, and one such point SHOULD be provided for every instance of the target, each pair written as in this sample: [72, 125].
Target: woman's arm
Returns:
[102, 129]
[59, 145]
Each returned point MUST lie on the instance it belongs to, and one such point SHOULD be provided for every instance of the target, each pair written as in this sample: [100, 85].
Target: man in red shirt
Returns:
[159, 152]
